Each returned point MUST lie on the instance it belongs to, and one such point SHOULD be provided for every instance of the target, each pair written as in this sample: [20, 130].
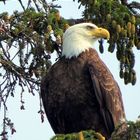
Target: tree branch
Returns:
[133, 6]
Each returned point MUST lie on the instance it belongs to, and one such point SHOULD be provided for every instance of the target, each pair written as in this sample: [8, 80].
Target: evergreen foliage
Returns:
[123, 24]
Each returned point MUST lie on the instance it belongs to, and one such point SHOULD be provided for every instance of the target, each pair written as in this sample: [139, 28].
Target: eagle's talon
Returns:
[81, 136]
[99, 136]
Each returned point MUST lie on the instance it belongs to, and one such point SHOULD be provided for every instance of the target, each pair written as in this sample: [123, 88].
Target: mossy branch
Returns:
[130, 132]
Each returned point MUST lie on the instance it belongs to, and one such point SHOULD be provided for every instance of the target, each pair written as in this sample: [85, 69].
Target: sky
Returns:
[28, 123]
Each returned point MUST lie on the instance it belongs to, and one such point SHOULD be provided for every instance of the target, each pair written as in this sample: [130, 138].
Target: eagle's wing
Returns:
[49, 100]
[44, 85]
[107, 93]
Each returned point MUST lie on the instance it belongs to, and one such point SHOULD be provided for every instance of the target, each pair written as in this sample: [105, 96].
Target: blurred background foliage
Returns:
[28, 38]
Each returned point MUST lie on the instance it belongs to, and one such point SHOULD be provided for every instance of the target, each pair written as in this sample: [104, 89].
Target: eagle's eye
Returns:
[89, 27]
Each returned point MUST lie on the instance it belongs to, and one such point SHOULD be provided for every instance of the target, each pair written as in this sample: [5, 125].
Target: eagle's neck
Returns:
[73, 46]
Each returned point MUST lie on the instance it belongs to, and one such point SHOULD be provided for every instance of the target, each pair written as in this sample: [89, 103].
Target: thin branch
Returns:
[133, 6]
[3, 1]
[28, 5]
[20, 1]
[45, 5]
[38, 9]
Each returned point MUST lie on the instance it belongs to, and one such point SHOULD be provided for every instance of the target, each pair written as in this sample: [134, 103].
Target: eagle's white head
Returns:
[81, 37]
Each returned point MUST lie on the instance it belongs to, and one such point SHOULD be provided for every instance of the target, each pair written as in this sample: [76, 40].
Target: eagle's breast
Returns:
[70, 82]
[71, 96]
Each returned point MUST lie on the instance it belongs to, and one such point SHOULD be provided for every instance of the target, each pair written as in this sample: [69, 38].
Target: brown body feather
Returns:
[81, 93]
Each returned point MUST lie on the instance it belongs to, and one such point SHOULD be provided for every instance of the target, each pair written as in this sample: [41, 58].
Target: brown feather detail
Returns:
[80, 93]
[110, 90]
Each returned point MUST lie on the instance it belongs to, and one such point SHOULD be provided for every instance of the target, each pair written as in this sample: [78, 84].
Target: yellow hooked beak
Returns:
[100, 33]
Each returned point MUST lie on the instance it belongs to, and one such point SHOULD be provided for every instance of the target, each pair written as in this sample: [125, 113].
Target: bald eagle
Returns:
[79, 92]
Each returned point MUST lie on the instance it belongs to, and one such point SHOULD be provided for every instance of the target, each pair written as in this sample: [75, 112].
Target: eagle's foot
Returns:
[99, 136]
[81, 136]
